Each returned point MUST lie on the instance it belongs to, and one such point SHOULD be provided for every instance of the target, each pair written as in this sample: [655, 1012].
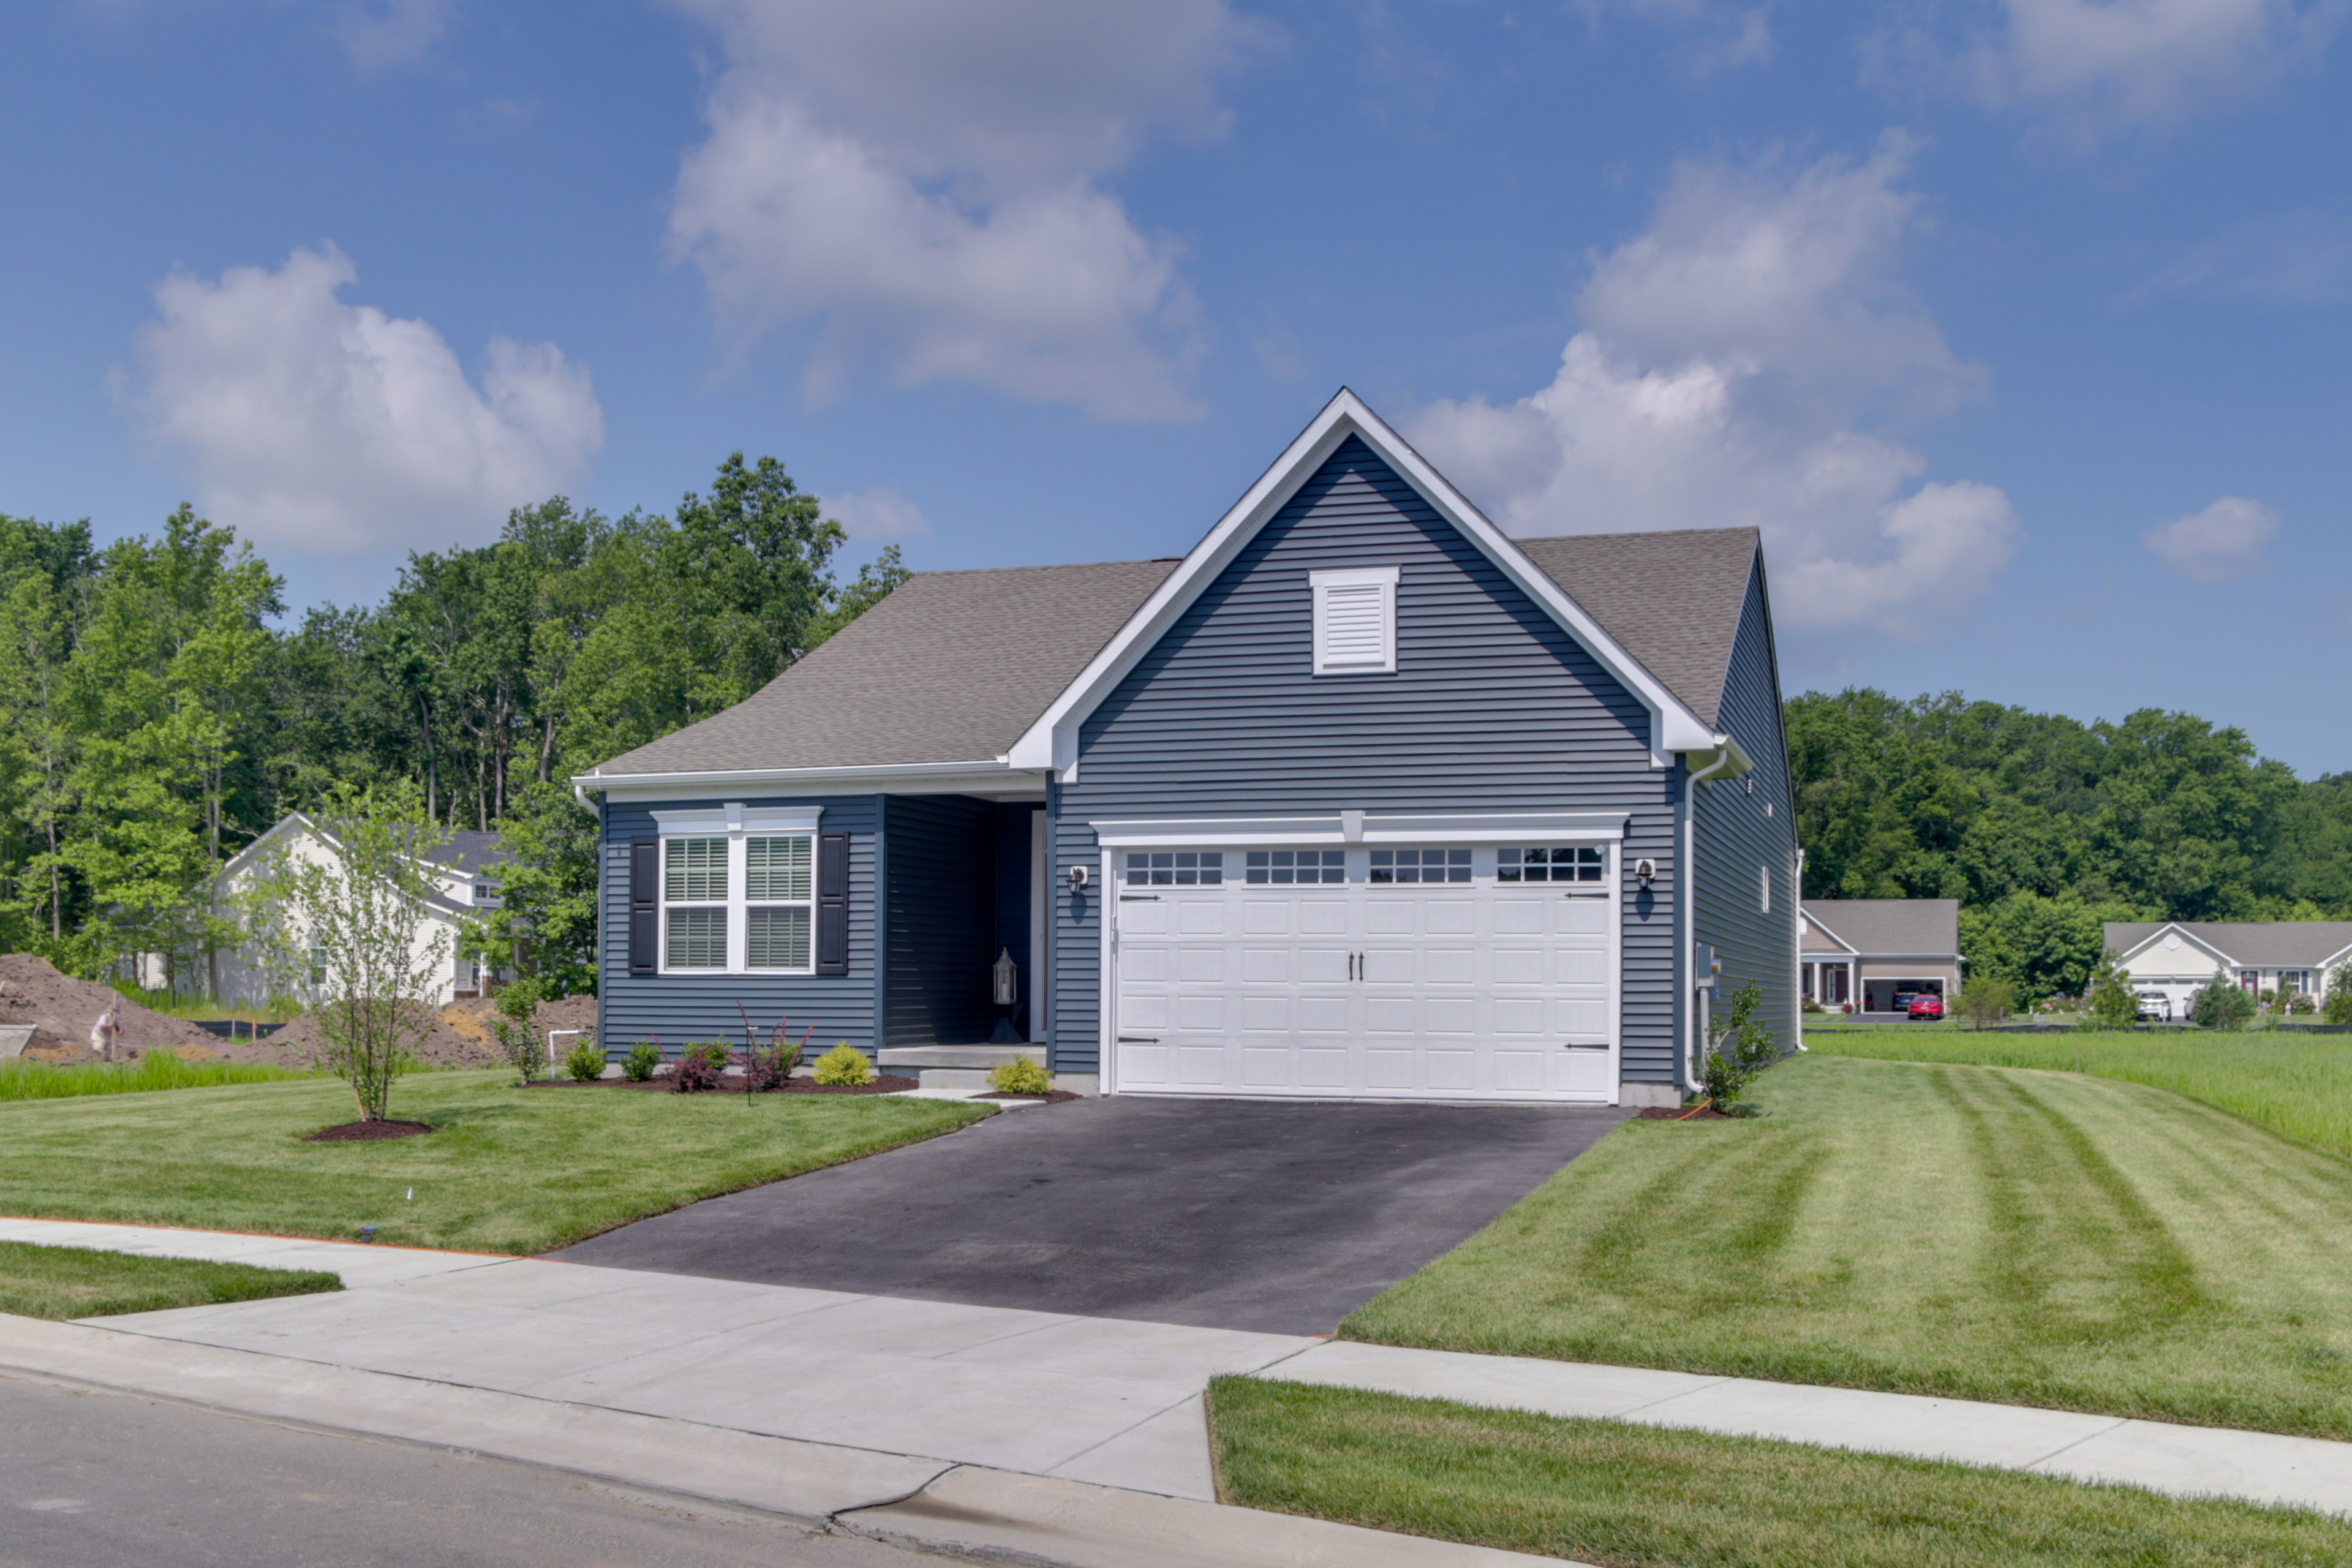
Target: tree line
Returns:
[2044, 826]
[156, 716]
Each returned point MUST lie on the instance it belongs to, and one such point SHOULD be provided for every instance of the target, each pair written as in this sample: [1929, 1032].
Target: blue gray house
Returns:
[1360, 798]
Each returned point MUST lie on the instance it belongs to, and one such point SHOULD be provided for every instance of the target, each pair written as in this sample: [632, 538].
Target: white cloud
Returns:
[397, 34]
[2097, 65]
[2220, 544]
[326, 427]
[2302, 257]
[927, 183]
[1721, 36]
[881, 513]
[1739, 365]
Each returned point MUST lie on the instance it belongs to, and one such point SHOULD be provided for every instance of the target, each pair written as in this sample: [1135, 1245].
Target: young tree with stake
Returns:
[357, 905]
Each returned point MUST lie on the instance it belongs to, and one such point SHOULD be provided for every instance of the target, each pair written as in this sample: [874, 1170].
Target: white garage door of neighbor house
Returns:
[1448, 973]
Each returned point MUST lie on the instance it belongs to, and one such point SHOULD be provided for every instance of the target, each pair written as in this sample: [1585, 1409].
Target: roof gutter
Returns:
[1725, 760]
[746, 778]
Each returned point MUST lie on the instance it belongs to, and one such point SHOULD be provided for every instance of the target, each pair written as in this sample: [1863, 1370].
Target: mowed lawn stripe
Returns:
[2032, 1237]
[504, 1169]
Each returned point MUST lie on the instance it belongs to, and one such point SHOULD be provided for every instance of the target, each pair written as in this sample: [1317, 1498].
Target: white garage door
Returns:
[1444, 973]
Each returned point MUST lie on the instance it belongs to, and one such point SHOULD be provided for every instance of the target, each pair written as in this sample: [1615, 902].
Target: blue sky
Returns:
[2019, 326]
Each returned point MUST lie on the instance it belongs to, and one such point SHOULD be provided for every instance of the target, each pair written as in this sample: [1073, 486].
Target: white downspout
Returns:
[1695, 1025]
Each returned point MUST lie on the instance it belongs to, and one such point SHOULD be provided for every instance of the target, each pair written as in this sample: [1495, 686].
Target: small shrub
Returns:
[1986, 1001]
[766, 1071]
[2339, 996]
[2112, 1006]
[1022, 1075]
[699, 1066]
[518, 1037]
[1738, 1048]
[585, 1061]
[844, 1066]
[644, 1057]
[2221, 1006]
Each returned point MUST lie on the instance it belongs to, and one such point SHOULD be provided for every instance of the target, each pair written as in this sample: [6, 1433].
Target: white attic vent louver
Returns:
[1355, 620]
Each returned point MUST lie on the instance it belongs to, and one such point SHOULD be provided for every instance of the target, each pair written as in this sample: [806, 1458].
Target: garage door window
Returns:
[1420, 865]
[1561, 865]
[1280, 866]
[1176, 868]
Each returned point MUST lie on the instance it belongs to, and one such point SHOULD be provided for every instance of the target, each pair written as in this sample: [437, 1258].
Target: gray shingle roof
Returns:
[1916, 926]
[2254, 944]
[952, 667]
[1671, 599]
[470, 849]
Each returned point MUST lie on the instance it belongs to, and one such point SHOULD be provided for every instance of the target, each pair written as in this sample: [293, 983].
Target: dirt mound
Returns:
[62, 1010]
[443, 1045]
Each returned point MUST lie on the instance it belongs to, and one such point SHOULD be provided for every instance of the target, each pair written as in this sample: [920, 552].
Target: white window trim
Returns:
[1383, 578]
[795, 822]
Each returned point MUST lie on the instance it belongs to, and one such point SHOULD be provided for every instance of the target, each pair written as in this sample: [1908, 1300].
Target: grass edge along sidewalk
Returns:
[1986, 1233]
[1610, 1492]
[64, 1282]
[2298, 1085]
[505, 1170]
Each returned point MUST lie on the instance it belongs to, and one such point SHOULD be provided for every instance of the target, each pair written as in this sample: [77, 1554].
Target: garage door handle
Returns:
[1138, 898]
[1138, 1039]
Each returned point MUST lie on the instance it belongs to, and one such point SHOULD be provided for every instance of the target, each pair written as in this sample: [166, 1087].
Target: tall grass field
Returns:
[2293, 1083]
[157, 1069]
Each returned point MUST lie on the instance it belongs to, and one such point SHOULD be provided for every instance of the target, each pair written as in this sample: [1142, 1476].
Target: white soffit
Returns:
[1052, 740]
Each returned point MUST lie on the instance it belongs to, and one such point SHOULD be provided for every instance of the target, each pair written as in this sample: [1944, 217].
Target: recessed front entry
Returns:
[1442, 973]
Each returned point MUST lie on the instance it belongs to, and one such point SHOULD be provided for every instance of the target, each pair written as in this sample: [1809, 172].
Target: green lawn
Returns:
[2032, 1237]
[73, 1282]
[2295, 1083]
[506, 1170]
[158, 1069]
[1606, 1492]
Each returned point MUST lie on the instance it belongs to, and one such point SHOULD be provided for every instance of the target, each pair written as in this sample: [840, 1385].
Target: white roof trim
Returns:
[1363, 827]
[2175, 927]
[1052, 740]
[990, 776]
[1808, 919]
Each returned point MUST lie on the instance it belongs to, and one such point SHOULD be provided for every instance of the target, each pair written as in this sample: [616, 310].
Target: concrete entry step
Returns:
[979, 1059]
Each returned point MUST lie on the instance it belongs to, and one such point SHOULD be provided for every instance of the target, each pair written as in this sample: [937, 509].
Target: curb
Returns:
[926, 1505]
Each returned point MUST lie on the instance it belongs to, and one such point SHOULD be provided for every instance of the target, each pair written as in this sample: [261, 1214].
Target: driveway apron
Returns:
[1272, 1218]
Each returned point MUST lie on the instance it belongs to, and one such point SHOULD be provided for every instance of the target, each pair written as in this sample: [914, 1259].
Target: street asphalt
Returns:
[94, 1479]
[1276, 1218]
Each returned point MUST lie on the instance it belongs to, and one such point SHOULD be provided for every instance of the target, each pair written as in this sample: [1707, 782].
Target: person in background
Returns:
[102, 1034]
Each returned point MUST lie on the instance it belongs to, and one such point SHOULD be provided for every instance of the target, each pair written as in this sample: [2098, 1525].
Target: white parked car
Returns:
[2155, 1007]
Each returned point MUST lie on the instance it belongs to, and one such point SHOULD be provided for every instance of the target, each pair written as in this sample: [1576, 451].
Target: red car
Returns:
[1927, 1005]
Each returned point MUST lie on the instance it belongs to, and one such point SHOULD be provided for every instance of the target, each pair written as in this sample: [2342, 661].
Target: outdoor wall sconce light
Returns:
[1005, 975]
[1077, 879]
[1645, 871]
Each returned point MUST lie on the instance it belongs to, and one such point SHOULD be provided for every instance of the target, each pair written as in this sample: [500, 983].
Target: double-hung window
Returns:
[739, 898]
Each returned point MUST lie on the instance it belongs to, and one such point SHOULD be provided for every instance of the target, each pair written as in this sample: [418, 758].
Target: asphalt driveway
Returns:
[1271, 1216]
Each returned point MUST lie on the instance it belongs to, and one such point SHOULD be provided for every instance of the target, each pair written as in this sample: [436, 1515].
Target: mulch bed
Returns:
[1052, 1096]
[1664, 1113]
[887, 1083]
[368, 1131]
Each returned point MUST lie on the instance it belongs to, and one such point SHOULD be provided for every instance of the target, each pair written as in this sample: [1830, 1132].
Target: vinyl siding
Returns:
[1012, 894]
[676, 1008]
[939, 903]
[1735, 837]
[1492, 708]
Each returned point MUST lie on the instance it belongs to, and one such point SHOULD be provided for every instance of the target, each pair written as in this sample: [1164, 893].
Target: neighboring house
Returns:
[2178, 957]
[465, 873]
[1359, 798]
[1870, 951]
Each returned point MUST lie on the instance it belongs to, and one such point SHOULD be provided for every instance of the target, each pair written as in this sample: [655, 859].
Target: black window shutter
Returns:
[832, 903]
[644, 885]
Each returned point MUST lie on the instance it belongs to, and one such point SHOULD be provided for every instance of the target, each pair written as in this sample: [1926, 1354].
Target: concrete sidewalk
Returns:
[2161, 1456]
[827, 1404]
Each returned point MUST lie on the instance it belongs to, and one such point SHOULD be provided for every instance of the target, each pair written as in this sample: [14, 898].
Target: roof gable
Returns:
[2250, 945]
[1052, 740]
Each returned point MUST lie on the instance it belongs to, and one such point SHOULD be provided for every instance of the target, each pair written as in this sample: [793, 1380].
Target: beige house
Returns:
[2178, 957]
[465, 873]
[1877, 954]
